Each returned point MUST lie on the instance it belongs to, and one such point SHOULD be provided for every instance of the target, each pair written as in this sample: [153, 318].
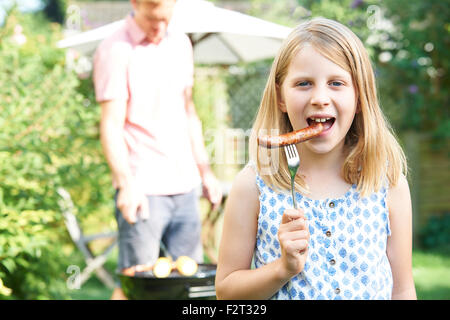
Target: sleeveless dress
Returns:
[347, 247]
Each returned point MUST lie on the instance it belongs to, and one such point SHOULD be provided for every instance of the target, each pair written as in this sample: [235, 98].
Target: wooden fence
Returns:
[429, 177]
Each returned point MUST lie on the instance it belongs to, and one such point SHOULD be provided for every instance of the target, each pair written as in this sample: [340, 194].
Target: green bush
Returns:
[436, 233]
[48, 139]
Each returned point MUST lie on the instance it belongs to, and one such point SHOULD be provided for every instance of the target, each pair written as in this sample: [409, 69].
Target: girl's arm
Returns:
[234, 278]
[399, 245]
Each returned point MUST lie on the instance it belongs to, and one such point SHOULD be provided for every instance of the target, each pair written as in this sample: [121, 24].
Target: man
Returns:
[152, 137]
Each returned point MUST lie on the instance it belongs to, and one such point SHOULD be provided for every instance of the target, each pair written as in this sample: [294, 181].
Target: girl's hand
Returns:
[293, 236]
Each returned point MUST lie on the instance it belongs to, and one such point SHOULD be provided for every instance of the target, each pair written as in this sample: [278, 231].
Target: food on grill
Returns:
[292, 137]
[162, 267]
[186, 266]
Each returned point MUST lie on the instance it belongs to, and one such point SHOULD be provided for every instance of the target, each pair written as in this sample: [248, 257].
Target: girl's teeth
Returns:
[320, 119]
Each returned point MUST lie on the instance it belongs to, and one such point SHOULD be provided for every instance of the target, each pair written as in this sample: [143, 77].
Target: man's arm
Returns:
[130, 198]
[211, 187]
[113, 143]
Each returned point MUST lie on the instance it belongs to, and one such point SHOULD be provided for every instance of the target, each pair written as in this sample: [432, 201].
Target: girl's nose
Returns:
[319, 97]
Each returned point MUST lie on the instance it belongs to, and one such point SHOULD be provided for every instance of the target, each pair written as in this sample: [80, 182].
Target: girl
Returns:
[351, 237]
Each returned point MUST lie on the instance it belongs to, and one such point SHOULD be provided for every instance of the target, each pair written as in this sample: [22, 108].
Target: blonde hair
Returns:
[373, 152]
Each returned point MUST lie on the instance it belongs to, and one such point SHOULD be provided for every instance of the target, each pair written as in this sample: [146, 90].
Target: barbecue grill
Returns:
[145, 286]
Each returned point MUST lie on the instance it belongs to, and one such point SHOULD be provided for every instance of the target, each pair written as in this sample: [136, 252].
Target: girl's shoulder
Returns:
[245, 181]
[244, 197]
[398, 195]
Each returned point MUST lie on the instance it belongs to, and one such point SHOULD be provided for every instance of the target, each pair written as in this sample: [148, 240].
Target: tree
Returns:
[416, 79]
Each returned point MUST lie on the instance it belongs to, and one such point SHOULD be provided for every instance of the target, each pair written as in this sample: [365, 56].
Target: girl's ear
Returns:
[280, 99]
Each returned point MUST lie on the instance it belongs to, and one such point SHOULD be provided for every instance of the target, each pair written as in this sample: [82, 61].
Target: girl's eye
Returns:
[336, 83]
[303, 83]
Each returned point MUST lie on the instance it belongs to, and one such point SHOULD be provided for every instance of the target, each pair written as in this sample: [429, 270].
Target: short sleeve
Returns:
[111, 71]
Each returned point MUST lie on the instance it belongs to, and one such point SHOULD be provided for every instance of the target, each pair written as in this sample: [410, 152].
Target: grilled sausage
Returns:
[163, 266]
[291, 137]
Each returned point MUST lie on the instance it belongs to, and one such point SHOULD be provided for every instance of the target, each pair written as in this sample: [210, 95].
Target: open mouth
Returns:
[326, 122]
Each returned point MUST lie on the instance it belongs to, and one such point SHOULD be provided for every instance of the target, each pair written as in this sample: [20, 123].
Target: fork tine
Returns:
[289, 151]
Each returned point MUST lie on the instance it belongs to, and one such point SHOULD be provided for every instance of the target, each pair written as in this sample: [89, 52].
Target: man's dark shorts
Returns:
[173, 219]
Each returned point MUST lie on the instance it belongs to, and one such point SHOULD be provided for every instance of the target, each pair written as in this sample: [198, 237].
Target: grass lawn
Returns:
[430, 270]
[431, 275]
[94, 289]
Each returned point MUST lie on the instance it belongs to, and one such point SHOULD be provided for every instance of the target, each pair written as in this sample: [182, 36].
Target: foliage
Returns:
[48, 139]
[206, 91]
[285, 12]
[415, 82]
[436, 233]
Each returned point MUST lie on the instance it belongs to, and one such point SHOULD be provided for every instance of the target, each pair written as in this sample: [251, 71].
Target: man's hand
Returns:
[130, 201]
[212, 189]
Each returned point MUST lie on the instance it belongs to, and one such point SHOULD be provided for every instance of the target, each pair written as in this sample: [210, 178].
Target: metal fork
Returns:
[293, 160]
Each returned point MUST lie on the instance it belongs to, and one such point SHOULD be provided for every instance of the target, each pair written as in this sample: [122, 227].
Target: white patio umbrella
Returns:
[219, 36]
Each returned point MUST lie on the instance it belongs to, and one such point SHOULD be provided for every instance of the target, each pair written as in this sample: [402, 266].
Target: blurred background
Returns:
[49, 129]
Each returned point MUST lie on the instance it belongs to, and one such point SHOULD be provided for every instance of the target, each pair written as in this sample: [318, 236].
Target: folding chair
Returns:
[93, 263]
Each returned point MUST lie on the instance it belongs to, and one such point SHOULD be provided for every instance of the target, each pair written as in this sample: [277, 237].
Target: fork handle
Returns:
[293, 193]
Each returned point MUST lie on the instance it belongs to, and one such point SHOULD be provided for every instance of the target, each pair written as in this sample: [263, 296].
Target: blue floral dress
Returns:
[347, 247]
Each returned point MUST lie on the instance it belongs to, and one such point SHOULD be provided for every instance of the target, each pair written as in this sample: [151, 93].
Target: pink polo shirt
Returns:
[152, 79]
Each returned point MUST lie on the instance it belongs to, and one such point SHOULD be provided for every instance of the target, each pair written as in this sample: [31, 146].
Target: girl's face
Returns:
[316, 89]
